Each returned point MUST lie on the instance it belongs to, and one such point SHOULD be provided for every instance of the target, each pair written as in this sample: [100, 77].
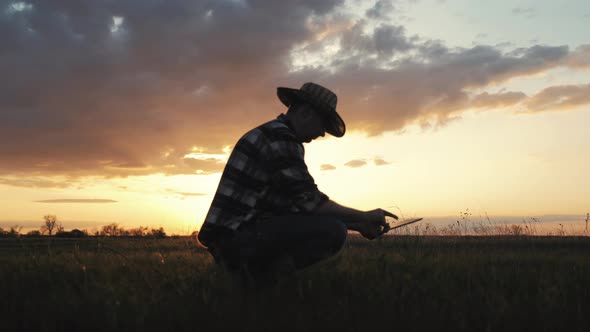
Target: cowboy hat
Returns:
[323, 100]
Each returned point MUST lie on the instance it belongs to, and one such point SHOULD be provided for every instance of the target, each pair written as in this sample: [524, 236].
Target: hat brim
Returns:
[333, 123]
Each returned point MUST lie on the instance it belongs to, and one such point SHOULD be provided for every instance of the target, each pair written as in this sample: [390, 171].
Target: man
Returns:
[267, 212]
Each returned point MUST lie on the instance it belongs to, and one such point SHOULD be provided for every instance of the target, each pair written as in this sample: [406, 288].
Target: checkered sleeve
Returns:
[289, 173]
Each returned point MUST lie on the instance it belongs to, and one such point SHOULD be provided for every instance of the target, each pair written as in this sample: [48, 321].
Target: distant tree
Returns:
[60, 231]
[34, 233]
[158, 233]
[138, 232]
[74, 233]
[78, 233]
[15, 230]
[49, 224]
[112, 230]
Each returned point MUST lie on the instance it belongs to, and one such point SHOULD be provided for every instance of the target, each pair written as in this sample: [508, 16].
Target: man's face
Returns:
[311, 124]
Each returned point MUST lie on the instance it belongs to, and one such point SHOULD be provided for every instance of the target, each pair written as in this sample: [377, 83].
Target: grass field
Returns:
[494, 283]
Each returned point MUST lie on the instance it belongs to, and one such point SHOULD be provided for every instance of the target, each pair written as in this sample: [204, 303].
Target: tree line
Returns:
[51, 226]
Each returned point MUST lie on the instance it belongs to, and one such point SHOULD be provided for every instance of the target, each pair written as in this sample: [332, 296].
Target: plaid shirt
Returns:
[265, 175]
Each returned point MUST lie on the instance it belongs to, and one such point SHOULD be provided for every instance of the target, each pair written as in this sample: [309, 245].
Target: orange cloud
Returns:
[504, 99]
[579, 58]
[558, 98]
[76, 200]
[327, 167]
[134, 100]
[36, 182]
[380, 162]
[356, 163]
[186, 194]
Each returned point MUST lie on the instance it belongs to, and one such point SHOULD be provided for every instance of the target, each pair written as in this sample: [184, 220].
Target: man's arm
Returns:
[370, 224]
[288, 171]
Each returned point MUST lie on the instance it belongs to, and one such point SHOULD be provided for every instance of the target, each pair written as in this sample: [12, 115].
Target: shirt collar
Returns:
[283, 118]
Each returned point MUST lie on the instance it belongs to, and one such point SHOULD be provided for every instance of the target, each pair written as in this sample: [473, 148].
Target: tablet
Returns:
[404, 222]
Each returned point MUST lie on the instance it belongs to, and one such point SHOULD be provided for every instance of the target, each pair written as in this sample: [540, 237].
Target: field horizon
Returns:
[546, 224]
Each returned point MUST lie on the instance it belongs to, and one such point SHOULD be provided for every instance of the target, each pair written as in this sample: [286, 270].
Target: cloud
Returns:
[558, 98]
[580, 57]
[76, 200]
[430, 87]
[186, 165]
[327, 167]
[36, 183]
[381, 10]
[191, 194]
[123, 97]
[385, 41]
[481, 35]
[380, 162]
[186, 194]
[117, 89]
[528, 12]
[497, 100]
[356, 163]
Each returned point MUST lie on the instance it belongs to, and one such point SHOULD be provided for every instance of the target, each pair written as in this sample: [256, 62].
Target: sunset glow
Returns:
[127, 112]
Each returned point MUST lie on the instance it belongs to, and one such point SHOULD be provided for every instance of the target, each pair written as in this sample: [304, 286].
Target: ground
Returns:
[493, 283]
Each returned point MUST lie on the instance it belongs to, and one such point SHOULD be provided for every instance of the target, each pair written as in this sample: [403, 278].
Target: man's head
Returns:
[306, 121]
[311, 106]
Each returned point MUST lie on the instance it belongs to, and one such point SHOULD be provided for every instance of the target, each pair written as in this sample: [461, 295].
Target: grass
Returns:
[484, 226]
[476, 283]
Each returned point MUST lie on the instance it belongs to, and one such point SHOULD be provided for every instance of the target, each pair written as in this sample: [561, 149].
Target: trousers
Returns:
[257, 245]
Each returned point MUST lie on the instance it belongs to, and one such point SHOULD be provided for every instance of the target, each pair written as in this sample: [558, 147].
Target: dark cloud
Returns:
[558, 98]
[117, 88]
[175, 74]
[76, 200]
[356, 163]
[385, 41]
[389, 39]
[381, 10]
[327, 167]
[431, 86]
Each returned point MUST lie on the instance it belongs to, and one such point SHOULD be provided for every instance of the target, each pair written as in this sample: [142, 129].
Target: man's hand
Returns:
[373, 224]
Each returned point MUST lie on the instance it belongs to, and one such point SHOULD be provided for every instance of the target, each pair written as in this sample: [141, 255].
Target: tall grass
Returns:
[465, 225]
[484, 283]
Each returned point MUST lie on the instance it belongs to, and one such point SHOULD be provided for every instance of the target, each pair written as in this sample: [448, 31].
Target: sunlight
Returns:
[116, 24]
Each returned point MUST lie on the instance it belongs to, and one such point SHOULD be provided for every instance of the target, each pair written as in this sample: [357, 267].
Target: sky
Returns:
[126, 111]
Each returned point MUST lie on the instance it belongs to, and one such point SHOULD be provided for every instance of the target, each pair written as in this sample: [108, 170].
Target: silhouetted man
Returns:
[268, 213]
